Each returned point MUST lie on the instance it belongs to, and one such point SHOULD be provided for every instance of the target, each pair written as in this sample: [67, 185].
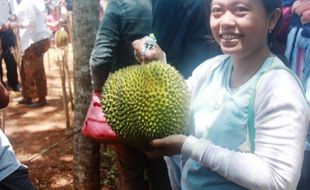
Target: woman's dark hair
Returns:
[274, 45]
[271, 5]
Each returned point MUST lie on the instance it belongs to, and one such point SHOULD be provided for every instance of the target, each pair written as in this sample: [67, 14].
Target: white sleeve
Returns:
[281, 121]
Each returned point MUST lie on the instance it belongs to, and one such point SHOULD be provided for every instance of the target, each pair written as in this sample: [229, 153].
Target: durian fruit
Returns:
[144, 102]
[61, 38]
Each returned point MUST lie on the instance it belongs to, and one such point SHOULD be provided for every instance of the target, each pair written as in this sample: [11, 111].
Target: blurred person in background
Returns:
[8, 43]
[298, 54]
[35, 41]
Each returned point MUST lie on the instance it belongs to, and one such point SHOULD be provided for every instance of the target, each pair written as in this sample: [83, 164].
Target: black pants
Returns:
[304, 182]
[8, 41]
[18, 180]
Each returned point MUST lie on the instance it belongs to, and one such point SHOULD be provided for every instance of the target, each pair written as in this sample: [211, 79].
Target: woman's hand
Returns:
[168, 146]
[155, 53]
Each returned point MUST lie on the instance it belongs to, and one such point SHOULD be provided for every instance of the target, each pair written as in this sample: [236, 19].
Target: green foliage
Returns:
[144, 102]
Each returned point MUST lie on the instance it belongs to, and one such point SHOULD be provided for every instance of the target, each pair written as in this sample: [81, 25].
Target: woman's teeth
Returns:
[230, 36]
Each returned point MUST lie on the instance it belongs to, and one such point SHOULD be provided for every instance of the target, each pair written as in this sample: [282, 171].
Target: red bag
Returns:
[96, 126]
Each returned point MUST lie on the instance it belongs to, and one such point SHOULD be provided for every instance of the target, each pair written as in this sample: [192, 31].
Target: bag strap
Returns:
[251, 113]
[251, 120]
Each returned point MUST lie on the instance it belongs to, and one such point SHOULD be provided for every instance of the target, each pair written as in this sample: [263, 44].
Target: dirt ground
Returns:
[32, 130]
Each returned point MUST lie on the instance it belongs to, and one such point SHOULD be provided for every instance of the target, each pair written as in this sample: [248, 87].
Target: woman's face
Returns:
[240, 27]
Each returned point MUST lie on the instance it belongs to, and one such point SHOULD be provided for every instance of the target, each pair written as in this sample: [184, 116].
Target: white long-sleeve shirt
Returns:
[6, 10]
[281, 120]
[30, 14]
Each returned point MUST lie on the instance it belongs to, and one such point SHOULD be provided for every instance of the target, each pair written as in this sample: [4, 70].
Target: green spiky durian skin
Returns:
[144, 102]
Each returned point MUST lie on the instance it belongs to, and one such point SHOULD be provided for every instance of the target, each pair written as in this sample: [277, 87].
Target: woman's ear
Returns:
[274, 18]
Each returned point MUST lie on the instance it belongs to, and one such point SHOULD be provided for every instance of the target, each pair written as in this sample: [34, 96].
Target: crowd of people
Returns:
[32, 24]
[246, 64]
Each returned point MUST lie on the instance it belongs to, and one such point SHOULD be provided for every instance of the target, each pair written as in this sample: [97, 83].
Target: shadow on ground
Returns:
[52, 169]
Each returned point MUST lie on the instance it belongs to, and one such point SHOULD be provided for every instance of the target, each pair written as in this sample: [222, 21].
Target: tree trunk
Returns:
[86, 170]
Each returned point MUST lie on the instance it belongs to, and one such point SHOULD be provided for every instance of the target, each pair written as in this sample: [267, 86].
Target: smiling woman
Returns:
[241, 28]
[249, 115]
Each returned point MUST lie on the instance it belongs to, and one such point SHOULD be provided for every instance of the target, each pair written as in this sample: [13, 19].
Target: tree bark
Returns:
[86, 163]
